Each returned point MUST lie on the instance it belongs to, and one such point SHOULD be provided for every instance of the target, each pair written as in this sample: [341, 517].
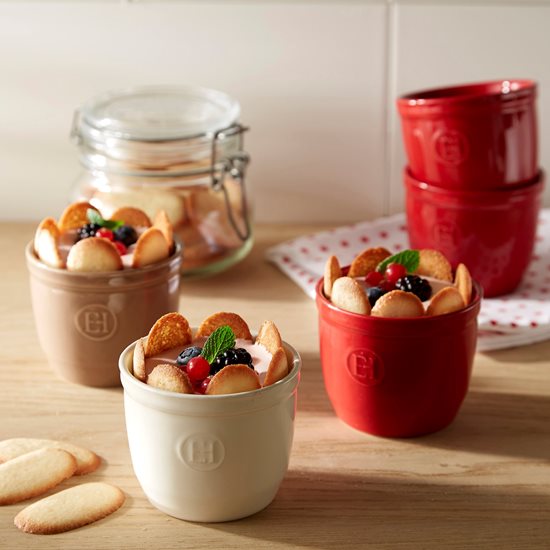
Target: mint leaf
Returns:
[408, 258]
[95, 217]
[219, 341]
[112, 224]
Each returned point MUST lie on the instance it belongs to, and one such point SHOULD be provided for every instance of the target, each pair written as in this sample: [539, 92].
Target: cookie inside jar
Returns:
[175, 149]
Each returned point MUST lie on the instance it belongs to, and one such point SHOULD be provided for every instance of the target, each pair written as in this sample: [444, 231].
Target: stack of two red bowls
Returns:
[473, 185]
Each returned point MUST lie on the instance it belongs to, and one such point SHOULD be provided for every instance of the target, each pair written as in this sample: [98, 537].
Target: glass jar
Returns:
[179, 149]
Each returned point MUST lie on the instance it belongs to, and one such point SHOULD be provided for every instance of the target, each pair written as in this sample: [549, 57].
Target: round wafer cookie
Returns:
[398, 303]
[366, 261]
[150, 248]
[348, 294]
[221, 318]
[333, 271]
[463, 282]
[447, 300]
[433, 263]
[233, 379]
[94, 254]
[170, 378]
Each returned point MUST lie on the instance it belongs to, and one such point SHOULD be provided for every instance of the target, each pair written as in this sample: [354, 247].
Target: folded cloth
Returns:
[517, 319]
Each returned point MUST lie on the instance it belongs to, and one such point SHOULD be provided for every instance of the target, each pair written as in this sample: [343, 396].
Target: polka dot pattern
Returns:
[516, 319]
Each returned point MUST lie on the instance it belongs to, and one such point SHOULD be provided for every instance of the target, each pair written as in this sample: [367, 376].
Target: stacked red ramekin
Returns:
[473, 184]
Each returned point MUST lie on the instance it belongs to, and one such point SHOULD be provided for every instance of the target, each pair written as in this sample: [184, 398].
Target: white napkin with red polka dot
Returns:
[516, 319]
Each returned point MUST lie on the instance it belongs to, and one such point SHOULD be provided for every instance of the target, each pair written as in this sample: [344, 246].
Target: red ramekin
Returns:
[491, 232]
[472, 136]
[397, 377]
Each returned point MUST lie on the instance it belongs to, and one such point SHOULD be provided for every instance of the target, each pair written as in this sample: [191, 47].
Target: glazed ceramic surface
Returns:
[210, 458]
[396, 377]
[84, 320]
[492, 232]
[475, 136]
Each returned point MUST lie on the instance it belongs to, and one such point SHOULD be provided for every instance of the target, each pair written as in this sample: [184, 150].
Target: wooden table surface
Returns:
[484, 482]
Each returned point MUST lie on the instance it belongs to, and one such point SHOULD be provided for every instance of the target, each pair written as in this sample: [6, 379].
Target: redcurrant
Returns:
[373, 278]
[394, 272]
[198, 369]
[204, 384]
[120, 247]
[105, 234]
[386, 285]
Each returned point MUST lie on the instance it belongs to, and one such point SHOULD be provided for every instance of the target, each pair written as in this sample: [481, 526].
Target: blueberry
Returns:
[187, 354]
[126, 234]
[373, 293]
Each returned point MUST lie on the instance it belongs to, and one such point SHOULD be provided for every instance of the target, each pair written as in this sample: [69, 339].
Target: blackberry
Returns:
[237, 356]
[88, 230]
[373, 293]
[416, 285]
[187, 354]
[126, 234]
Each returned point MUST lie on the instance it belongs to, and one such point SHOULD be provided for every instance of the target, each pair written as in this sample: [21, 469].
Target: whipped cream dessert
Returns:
[220, 357]
[411, 283]
[69, 238]
[82, 240]
[259, 355]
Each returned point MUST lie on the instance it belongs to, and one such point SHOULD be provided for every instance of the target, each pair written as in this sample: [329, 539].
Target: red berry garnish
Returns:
[386, 286]
[204, 384]
[105, 234]
[198, 369]
[374, 278]
[394, 272]
[120, 247]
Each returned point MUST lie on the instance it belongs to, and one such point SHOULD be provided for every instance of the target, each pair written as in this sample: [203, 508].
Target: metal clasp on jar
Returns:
[235, 165]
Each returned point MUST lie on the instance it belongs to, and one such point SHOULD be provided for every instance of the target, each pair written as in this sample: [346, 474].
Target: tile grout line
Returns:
[389, 114]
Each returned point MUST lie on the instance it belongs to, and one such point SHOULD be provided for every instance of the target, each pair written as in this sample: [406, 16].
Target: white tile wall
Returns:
[317, 81]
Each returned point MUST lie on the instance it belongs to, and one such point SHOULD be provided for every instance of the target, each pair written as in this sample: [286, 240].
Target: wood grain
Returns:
[482, 483]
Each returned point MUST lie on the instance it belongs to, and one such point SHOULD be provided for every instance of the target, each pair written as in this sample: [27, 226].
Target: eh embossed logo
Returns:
[451, 147]
[365, 367]
[202, 452]
[96, 322]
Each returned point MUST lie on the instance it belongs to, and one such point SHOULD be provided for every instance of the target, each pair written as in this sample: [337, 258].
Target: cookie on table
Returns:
[86, 461]
[70, 509]
[34, 473]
